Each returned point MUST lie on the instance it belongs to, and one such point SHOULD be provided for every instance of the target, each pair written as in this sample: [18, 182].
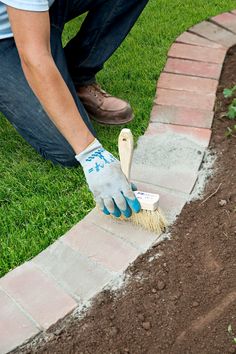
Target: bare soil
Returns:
[183, 301]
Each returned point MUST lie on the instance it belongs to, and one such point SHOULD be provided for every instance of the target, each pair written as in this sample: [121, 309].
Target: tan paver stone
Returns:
[101, 246]
[38, 294]
[193, 68]
[226, 20]
[187, 83]
[137, 237]
[215, 33]
[182, 116]
[179, 171]
[194, 39]
[185, 99]
[198, 135]
[186, 51]
[182, 181]
[15, 326]
[77, 274]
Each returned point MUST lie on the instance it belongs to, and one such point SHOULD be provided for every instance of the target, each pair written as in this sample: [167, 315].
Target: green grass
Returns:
[38, 201]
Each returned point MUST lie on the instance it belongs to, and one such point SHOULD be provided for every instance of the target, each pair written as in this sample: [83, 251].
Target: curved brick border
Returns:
[97, 250]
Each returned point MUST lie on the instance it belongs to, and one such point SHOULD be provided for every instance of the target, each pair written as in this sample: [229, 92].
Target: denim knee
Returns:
[65, 160]
[66, 163]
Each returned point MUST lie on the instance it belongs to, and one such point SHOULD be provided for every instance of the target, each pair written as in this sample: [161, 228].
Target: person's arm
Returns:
[111, 190]
[32, 36]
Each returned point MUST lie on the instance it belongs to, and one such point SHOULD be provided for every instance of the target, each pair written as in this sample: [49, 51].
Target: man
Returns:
[47, 92]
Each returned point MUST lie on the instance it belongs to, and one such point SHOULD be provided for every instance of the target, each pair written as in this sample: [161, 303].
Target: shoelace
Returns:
[97, 91]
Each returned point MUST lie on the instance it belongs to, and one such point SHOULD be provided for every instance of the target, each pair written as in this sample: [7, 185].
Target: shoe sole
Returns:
[112, 123]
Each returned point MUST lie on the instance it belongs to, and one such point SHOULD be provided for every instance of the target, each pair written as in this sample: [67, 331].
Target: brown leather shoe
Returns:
[104, 108]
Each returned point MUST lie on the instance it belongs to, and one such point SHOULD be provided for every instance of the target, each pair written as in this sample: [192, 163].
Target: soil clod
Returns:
[146, 325]
[161, 285]
[222, 202]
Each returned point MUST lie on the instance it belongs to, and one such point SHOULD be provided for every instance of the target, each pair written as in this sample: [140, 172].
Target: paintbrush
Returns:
[150, 217]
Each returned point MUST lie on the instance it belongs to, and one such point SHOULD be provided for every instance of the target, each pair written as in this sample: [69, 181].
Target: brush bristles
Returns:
[153, 221]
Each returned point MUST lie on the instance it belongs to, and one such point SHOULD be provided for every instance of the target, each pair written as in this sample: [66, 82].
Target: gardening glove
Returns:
[112, 192]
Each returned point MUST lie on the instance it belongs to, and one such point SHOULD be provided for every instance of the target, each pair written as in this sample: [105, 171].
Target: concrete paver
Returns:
[199, 136]
[38, 294]
[194, 39]
[226, 20]
[185, 99]
[187, 83]
[182, 116]
[186, 51]
[184, 151]
[193, 68]
[183, 182]
[100, 246]
[79, 276]
[133, 235]
[215, 33]
[15, 326]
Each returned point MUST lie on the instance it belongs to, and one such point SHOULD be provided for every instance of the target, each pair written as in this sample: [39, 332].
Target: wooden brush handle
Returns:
[126, 147]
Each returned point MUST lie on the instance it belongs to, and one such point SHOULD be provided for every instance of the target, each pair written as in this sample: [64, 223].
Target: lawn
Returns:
[39, 201]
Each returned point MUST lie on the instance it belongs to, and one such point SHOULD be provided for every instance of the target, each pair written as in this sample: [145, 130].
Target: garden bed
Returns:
[182, 297]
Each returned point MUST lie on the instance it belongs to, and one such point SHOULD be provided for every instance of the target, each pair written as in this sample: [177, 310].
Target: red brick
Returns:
[186, 51]
[38, 294]
[100, 246]
[193, 68]
[191, 38]
[15, 326]
[187, 83]
[185, 99]
[182, 116]
[226, 20]
[215, 33]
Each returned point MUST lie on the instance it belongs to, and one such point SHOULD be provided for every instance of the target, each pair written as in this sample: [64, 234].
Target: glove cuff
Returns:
[86, 153]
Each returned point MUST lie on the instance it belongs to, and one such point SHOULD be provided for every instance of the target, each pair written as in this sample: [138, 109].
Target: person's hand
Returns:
[111, 190]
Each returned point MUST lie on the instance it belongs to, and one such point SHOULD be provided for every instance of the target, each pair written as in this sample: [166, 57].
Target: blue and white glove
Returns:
[112, 192]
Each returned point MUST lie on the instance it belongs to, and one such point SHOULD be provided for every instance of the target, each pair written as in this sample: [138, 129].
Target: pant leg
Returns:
[105, 27]
[23, 110]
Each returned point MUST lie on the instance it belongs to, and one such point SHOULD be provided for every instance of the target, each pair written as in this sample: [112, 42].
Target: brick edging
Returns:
[78, 265]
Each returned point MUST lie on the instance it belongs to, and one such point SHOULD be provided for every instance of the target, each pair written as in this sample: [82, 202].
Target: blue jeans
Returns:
[103, 30]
